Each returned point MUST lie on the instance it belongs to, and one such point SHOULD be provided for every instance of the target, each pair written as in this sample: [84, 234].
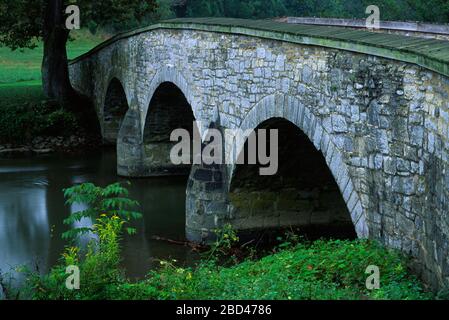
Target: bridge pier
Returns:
[206, 202]
[129, 145]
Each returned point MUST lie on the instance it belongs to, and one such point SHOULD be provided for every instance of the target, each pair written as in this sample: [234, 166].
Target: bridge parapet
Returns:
[406, 28]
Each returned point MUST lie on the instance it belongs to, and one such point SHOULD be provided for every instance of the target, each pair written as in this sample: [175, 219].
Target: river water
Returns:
[32, 210]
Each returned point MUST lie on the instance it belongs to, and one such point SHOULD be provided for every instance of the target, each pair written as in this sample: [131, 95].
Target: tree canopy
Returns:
[22, 21]
[413, 10]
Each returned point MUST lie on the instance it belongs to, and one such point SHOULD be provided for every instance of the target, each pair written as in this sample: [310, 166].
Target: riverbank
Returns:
[73, 144]
[31, 125]
[320, 270]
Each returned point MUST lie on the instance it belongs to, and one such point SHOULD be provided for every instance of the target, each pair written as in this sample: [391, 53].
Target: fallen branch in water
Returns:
[192, 245]
[247, 243]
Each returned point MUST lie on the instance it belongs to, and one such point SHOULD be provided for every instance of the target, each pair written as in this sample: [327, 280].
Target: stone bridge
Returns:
[362, 117]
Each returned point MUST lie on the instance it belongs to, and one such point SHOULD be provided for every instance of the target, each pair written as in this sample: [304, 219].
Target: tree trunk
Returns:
[55, 73]
[55, 69]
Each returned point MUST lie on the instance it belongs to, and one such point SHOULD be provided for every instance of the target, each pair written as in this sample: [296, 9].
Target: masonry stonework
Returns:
[381, 125]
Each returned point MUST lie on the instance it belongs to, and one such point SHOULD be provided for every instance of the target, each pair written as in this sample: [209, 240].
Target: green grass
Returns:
[20, 65]
[320, 270]
[19, 93]
[23, 66]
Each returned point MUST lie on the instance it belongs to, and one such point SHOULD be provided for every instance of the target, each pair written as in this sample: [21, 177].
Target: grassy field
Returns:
[22, 68]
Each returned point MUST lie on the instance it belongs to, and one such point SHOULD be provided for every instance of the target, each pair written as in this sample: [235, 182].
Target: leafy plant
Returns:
[110, 202]
[289, 240]
[226, 239]
[99, 268]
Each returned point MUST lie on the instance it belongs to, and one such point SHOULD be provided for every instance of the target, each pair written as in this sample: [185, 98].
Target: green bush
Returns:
[21, 121]
[320, 270]
[60, 122]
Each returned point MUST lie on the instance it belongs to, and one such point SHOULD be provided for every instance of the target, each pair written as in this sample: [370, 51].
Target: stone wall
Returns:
[381, 125]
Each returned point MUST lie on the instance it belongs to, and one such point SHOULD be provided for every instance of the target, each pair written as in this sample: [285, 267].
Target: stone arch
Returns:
[115, 75]
[170, 74]
[113, 109]
[168, 110]
[290, 108]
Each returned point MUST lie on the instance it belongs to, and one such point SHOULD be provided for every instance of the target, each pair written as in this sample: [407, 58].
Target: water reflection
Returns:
[24, 226]
[32, 210]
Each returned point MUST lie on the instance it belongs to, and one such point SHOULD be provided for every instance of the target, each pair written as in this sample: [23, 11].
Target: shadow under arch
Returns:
[287, 108]
[115, 107]
[170, 74]
[168, 110]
